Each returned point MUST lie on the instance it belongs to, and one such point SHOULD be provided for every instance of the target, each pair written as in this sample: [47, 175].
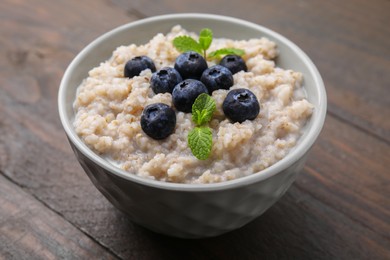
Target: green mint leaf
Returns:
[203, 109]
[186, 43]
[205, 38]
[200, 140]
[226, 51]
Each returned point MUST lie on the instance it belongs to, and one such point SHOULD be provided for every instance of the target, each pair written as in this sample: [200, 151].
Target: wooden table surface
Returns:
[338, 208]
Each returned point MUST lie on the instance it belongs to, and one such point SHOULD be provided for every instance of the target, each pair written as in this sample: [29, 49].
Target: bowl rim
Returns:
[299, 151]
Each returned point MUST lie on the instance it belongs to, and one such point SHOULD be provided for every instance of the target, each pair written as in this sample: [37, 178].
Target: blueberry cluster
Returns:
[189, 78]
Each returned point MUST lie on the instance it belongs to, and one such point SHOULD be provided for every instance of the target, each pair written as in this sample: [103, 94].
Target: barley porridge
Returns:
[108, 108]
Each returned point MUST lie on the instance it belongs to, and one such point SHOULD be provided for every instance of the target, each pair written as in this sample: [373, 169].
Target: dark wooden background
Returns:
[339, 207]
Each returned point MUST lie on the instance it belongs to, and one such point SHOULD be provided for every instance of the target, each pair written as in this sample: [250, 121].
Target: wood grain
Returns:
[339, 207]
[28, 230]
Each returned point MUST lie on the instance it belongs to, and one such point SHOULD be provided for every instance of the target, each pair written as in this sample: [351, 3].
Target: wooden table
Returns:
[338, 208]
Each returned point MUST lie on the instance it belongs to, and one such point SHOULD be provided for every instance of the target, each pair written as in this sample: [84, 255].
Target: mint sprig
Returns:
[186, 43]
[200, 139]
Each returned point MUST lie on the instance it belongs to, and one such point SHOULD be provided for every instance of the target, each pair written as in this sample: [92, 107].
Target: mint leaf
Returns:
[200, 140]
[205, 38]
[226, 51]
[186, 43]
[203, 109]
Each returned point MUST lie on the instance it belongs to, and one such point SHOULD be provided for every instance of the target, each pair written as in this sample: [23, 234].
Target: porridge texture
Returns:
[108, 108]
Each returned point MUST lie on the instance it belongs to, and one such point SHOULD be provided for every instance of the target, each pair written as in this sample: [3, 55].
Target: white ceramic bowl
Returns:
[191, 210]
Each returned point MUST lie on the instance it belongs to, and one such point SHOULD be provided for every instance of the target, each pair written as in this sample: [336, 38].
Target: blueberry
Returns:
[185, 93]
[137, 64]
[190, 65]
[165, 80]
[241, 104]
[217, 77]
[158, 120]
[234, 63]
